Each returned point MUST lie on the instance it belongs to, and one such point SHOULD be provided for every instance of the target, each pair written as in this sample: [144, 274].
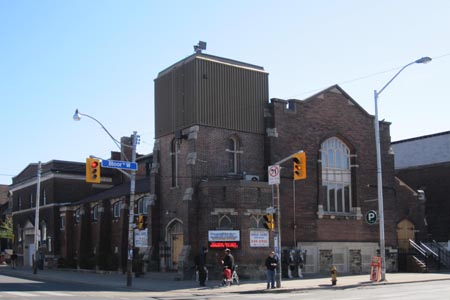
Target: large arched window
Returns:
[336, 176]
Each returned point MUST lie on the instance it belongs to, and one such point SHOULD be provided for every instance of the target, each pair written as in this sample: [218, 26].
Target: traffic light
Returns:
[93, 170]
[141, 222]
[299, 160]
[269, 221]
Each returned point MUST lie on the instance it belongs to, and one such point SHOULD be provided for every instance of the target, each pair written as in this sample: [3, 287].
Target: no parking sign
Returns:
[274, 174]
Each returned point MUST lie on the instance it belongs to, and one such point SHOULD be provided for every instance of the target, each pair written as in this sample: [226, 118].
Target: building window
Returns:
[19, 203]
[233, 159]
[257, 221]
[336, 176]
[43, 231]
[116, 209]
[95, 213]
[44, 198]
[143, 206]
[225, 222]
[77, 216]
[63, 222]
[31, 200]
[174, 159]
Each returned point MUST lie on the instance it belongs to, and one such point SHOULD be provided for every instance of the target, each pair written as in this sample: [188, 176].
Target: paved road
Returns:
[60, 284]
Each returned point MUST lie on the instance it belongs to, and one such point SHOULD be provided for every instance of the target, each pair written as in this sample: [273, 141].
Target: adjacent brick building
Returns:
[424, 164]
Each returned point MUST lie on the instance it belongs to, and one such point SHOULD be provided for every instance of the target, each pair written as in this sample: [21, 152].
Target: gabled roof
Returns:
[338, 90]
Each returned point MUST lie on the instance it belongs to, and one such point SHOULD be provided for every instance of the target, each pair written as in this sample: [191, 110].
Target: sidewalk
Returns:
[157, 283]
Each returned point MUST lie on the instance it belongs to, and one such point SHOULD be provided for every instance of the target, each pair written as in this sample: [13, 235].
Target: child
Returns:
[226, 276]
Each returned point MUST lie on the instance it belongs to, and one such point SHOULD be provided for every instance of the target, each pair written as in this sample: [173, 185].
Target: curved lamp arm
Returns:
[77, 117]
[422, 60]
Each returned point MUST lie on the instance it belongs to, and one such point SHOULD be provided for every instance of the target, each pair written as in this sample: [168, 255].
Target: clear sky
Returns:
[101, 56]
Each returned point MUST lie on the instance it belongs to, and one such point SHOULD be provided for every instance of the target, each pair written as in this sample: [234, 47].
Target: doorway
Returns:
[175, 239]
[405, 232]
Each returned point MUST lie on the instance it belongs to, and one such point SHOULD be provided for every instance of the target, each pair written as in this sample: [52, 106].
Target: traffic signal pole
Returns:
[131, 214]
[278, 212]
[278, 278]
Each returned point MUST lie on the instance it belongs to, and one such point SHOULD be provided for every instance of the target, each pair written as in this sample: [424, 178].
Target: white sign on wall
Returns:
[141, 238]
[259, 238]
[224, 236]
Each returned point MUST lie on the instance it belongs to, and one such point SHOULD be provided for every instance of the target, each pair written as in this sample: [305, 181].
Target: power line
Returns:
[362, 77]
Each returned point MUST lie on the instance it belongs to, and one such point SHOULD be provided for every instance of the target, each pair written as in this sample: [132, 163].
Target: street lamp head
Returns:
[423, 60]
[76, 116]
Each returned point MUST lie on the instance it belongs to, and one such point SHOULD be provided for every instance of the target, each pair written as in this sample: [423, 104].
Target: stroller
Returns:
[230, 277]
[226, 280]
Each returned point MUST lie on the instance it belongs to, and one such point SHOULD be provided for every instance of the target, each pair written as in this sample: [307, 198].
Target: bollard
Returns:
[333, 272]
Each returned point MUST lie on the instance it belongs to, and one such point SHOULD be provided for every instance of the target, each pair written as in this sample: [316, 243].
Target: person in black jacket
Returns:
[228, 260]
[200, 263]
[271, 265]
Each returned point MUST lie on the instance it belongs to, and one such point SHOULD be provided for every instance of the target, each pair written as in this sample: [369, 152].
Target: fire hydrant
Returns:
[333, 272]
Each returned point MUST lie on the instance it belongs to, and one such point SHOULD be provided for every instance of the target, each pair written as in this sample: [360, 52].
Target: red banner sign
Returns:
[231, 245]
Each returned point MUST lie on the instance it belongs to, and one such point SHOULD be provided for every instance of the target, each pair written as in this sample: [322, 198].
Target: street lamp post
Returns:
[422, 60]
[36, 219]
[132, 177]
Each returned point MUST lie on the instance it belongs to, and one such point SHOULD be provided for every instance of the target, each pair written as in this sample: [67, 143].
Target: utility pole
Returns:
[131, 213]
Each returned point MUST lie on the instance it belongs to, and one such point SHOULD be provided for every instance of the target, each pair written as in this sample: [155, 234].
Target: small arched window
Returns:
[95, 213]
[77, 216]
[225, 222]
[233, 155]
[336, 176]
[142, 206]
[116, 209]
[174, 160]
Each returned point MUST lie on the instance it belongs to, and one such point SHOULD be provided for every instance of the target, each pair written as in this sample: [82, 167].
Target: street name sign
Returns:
[119, 164]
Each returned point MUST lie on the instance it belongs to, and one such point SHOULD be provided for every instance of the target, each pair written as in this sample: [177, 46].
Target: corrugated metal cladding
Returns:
[212, 92]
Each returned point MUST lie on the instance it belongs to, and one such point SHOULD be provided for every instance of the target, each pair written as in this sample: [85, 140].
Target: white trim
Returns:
[232, 65]
[33, 181]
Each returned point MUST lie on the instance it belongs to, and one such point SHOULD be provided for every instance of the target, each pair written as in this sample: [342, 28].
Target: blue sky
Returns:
[102, 57]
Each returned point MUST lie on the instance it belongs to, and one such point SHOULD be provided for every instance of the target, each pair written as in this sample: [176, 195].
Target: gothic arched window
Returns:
[336, 176]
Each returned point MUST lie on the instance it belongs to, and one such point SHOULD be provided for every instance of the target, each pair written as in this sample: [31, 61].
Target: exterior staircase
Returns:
[425, 257]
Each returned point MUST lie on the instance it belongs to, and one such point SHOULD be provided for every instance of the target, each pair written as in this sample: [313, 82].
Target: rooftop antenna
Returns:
[200, 46]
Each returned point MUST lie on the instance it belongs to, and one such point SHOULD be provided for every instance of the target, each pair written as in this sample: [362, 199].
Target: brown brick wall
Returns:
[304, 127]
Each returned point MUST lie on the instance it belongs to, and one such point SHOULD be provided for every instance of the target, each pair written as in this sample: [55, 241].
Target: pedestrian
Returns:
[228, 260]
[200, 264]
[14, 259]
[271, 265]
